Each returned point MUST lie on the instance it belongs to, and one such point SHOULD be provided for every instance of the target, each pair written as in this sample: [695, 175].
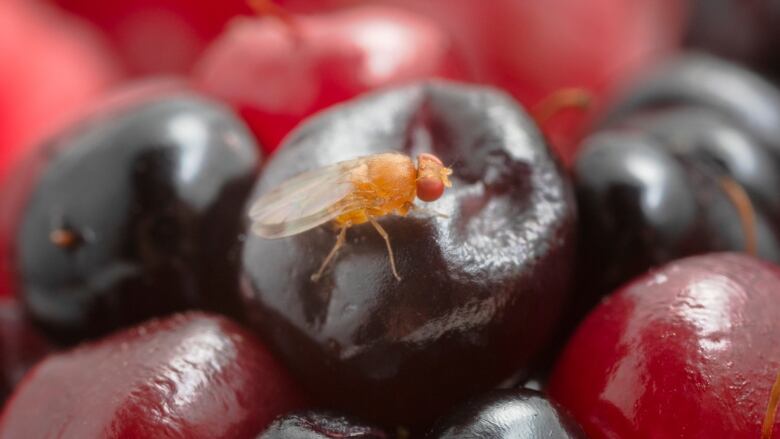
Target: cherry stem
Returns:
[771, 410]
[267, 8]
[560, 100]
[64, 238]
[747, 214]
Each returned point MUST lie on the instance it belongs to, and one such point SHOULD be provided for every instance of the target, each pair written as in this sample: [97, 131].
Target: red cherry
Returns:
[153, 36]
[687, 351]
[191, 375]
[535, 48]
[278, 70]
[54, 68]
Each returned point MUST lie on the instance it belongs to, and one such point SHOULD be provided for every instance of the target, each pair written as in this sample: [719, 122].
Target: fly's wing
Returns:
[306, 201]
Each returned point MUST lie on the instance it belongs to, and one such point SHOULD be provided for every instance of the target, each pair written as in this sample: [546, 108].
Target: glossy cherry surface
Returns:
[507, 414]
[481, 288]
[134, 214]
[702, 80]
[652, 190]
[752, 38]
[532, 49]
[21, 346]
[317, 424]
[708, 138]
[157, 36]
[54, 68]
[187, 376]
[278, 71]
[687, 351]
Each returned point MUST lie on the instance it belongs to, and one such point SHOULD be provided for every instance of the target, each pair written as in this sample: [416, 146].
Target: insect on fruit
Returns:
[350, 193]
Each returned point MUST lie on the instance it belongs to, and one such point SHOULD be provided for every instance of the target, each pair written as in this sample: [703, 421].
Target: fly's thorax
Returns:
[394, 177]
[384, 185]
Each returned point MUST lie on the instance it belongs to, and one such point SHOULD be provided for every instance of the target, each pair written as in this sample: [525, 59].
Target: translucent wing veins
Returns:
[305, 201]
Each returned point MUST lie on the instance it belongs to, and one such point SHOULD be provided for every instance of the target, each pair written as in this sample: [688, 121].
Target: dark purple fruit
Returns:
[686, 162]
[655, 190]
[705, 81]
[706, 138]
[313, 424]
[742, 30]
[21, 346]
[481, 290]
[507, 414]
[134, 215]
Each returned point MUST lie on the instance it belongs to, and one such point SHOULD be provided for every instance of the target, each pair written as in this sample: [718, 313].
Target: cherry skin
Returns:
[278, 71]
[158, 36]
[188, 376]
[709, 138]
[715, 128]
[482, 286]
[651, 190]
[55, 67]
[317, 424]
[21, 346]
[752, 38]
[533, 49]
[134, 213]
[695, 79]
[688, 350]
[507, 414]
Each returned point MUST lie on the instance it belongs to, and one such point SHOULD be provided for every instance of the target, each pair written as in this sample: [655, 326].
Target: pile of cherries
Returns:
[603, 266]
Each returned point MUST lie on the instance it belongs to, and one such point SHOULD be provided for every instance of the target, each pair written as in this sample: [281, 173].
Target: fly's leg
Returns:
[340, 240]
[386, 237]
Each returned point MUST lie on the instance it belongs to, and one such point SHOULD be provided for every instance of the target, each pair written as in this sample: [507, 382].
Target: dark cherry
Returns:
[134, 214]
[317, 424]
[653, 190]
[188, 376]
[710, 139]
[706, 81]
[481, 288]
[21, 346]
[752, 37]
[507, 414]
[57, 64]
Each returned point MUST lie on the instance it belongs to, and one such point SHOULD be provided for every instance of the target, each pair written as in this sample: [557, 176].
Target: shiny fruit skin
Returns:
[481, 290]
[35, 102]
[752, 39]
[157, 36]
[188, 376]
[21, 346]
[532, 49]
[696, 79]
[151, 194]
[276, 73]
[649, 190]
[686, 351]
[318, 424]
[507, 414]
[709, 138]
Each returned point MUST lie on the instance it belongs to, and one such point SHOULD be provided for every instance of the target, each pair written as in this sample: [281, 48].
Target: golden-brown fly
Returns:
[350, 193]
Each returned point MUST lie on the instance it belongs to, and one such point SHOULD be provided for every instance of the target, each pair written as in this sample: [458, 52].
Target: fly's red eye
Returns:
[429, 188]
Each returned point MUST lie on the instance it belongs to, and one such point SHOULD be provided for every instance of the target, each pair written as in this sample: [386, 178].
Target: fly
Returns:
[350, 193]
